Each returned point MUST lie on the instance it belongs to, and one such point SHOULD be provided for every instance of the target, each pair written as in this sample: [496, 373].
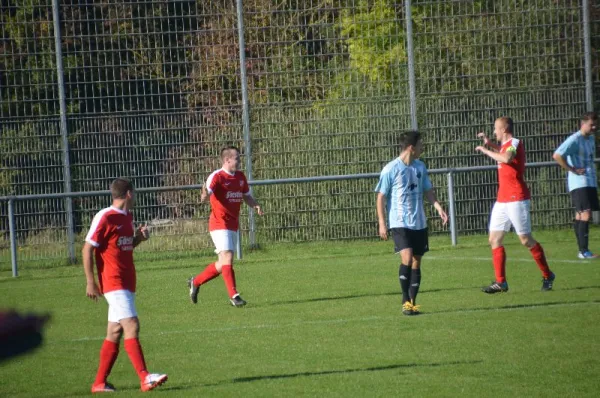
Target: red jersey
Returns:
[511, 180]
[227, 194]
[111, 234]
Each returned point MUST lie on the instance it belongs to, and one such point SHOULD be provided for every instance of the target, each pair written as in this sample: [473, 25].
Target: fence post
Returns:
[245, 115]
[452, 213]
[13, 237]
[412, 90]
[587, 53]
[63, 132]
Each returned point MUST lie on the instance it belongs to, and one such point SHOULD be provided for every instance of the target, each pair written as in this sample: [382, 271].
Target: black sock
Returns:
[584, 230]
[404, 276]
[415, 282]
[577, 227]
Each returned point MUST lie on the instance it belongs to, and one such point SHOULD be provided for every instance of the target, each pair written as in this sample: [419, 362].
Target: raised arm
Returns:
[487, 142]
[505, 157]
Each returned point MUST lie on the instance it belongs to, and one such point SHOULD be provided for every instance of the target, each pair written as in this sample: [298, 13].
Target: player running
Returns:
[112, 238]
[512, 204]
[400, 189]
[227, 188]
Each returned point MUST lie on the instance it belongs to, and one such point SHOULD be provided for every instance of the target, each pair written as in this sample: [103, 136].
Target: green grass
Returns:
[324, 320]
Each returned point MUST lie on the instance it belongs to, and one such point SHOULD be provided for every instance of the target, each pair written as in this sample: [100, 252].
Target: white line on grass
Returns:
[347, 320]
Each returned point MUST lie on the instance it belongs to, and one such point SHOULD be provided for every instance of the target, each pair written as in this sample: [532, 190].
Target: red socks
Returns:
[209, 273]
[540, 259]
[229, 278]
[134, 350]
[108, 356]
[499, 260]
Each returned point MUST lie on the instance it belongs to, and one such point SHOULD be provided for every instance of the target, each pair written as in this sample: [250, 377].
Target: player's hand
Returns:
[484, 137]
[383, 232]
[143, 232]
[443, 216]
[578, 171]
[480, 149]
[203, 196]
[258, 210]
[92, 291]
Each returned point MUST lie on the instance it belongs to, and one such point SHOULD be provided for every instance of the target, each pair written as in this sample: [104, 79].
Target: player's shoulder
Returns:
[104, 213]
[575, 136]
[420, 164]
[391, 166]
[239, 174]
[110, 215]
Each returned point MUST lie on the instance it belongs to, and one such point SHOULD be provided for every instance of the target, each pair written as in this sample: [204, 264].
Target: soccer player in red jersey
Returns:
[111, 240]
[227, 188]
[512, 204]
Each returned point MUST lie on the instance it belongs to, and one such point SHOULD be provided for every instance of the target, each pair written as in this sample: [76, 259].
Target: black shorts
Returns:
[585, 199]
[415, 239]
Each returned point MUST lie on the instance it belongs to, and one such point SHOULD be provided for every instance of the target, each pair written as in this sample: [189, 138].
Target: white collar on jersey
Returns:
[124, 212]
[231, 174]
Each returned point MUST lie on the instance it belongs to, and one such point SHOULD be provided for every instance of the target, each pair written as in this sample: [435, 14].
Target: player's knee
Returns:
[527, 240]
[114, 332]
[226, 257]
[131, 327]
[585, 216]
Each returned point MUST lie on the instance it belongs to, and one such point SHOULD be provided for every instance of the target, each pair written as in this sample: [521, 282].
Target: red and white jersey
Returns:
[112, 234]
[227, 194]
[511, 176]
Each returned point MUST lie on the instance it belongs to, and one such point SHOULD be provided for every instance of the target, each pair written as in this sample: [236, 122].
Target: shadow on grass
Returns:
[354, 296]
[513, 307]
[132, 388]
[251, 379]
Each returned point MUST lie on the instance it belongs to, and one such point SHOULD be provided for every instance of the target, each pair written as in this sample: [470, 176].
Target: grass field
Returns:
[324, 320]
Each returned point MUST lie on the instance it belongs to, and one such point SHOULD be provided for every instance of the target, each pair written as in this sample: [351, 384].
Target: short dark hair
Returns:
[409, 138]
[589, 116]
[120, 187]
[225, 152]
[508, 123]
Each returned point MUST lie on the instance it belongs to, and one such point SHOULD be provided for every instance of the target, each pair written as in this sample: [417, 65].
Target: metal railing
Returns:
[151, 90]
[450, 195]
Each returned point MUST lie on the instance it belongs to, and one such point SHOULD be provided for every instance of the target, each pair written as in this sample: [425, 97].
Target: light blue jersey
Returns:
[579, 152]
[403, 187]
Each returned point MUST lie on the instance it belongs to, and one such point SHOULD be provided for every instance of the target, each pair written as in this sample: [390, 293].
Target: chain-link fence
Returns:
[151, 90]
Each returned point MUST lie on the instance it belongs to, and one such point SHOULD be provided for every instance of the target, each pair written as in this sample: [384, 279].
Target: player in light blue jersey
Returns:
[576, 155]
[400, 190]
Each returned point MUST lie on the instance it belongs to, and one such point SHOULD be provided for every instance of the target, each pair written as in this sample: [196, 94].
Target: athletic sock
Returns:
[499, 260]
[404, 275]
[415, 282]
[229, 278]
[136, 356]
[209, 273]
[540, 259]
[584, 230]
[108, 356]
[577, 227]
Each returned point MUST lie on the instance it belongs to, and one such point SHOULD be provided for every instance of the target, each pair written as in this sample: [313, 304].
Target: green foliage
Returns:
[153, 91]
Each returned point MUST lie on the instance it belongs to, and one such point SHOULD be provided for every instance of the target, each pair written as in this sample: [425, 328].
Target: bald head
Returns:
[506, 123]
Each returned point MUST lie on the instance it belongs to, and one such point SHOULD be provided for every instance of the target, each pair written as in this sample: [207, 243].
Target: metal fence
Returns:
[151, 90]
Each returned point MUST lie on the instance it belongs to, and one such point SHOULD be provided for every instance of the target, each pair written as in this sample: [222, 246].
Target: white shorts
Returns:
[224, 240]
[512, 213]
[121, 305]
